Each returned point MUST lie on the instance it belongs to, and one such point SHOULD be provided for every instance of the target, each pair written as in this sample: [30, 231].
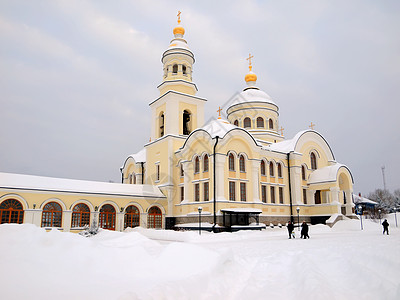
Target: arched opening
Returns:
[260, 122]
[303, 172]
[196, 165]
[161, 125]
[175, 69]
[80, 215]
[271, 169]
[279, 170]
[132, 217]
[184, 69]
[242, 164]
[154, 218]
[317, 197]
[313, 159]
[52, 215]
[262, 167]
[271, 124]
[11, 211]
[231, 160]
[236, 123]
[186, 122]
[247, 122]
[205, 163]
[107, 217]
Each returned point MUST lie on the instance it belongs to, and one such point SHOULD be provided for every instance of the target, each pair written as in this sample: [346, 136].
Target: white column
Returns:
[94, 216]
[119, 226]
[311, 196]
[220, 176]
[29, 215]
[67, 218]
[187, 181]
[349, 203]
[255, 166]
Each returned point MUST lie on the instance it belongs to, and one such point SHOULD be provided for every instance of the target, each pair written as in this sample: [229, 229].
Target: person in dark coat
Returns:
[304, 230]
[385, 225]
[290, 228]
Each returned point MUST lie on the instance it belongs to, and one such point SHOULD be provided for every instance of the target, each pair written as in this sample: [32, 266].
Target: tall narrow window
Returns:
[184, 69]
[197, 192]
[196, 165]
[242, 164]
[262, 167]
[317, 197]
[182, 193]
[132, 217]
[247, 123]
[205, 191]
[280, 170]
[205, 163]
[154, 218]
[264, 193]
[52, 215]
[304, 196]
[281, 195]
[271, 169]
[107, 217]
[271, 124]
[80, 215]
[182, 172]
[158, 172]
[313, 161]
[303, 172]
[272, 190]
[242, 191]
[260, 122]
[161, 122]
[11, 211]
[232, 196]
[236, 123]
[175, 69]
[231, 162]
[186, 122]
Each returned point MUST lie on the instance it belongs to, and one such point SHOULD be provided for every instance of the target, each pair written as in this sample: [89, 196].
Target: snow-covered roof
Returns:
[40, 183]
[252, 94]
[140, 156]
[287, 145]
[218, 128]
[325, 174]
[242, 210]
[362, 200]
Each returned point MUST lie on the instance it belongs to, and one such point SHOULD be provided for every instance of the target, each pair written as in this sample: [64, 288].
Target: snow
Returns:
[30, 182]
[218, 128]
[243, 210]
[325, 174]
[342, 262]
[140, 156]
[252, 94]
[359, 199]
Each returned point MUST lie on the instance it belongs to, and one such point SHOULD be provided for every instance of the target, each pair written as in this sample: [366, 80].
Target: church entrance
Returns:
[107, 217]
[154, 218]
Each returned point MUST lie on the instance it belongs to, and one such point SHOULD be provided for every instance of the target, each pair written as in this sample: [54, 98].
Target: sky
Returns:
[76, 77]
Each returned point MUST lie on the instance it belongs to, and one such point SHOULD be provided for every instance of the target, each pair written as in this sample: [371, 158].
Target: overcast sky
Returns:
[76, 77]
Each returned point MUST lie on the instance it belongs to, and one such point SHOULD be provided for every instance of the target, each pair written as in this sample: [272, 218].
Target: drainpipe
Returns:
[122, 175]
[142, 163]
[215, 182]
[290, 189]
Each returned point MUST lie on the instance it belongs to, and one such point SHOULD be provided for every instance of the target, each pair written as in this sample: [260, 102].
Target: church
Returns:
[235, 172]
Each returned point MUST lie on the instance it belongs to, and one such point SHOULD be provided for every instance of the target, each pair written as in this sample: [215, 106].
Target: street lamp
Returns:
[359, 210]
[200, 209]
[379, 211]
[298, 217]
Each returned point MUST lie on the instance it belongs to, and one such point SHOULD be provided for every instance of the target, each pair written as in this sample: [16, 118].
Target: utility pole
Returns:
[383, 176]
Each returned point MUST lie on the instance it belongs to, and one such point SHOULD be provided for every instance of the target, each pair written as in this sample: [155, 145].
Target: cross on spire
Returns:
[219, 112]
[249, 59]
[179, 17]
[281, 130]
[312, 126]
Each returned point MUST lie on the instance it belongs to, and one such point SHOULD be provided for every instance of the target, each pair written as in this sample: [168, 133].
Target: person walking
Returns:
[290, 228]
[385, 225]
[304, 230]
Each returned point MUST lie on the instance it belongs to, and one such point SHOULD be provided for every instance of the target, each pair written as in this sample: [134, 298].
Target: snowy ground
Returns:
[339, 263]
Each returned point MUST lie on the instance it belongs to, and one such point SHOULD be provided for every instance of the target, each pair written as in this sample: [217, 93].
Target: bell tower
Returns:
[177, 111]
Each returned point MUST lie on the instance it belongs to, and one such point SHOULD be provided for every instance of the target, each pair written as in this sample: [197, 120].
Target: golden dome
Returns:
[250, 77]
[179, 30]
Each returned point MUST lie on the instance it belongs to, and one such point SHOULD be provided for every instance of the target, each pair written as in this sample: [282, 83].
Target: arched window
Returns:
[303, 172]
[175, 69]
[205, 163]
[161, 125]
[80, 215]
[247, 122]
[196, 165]
[280, 170]
[231, 162]
[107, 217]
[52, 215]
[313, 159]
[242, 164]
[186, 122]
[260, 122]
[184, 69]
[11, 211]
[182, 172]
[154, 218]
[262, 167]
[271, 124]
[271, 169]
[132, 217]
[236, 123]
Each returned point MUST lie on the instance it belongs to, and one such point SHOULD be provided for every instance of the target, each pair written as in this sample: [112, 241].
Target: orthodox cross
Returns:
[281, 130]
[312, 126]
[179, 17]
[219, 112]
[249, 59]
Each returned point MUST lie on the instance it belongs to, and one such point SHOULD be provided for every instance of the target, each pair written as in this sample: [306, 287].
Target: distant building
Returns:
[239, 164]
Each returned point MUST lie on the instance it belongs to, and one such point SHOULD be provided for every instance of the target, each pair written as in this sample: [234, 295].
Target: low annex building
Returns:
[241, 163]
